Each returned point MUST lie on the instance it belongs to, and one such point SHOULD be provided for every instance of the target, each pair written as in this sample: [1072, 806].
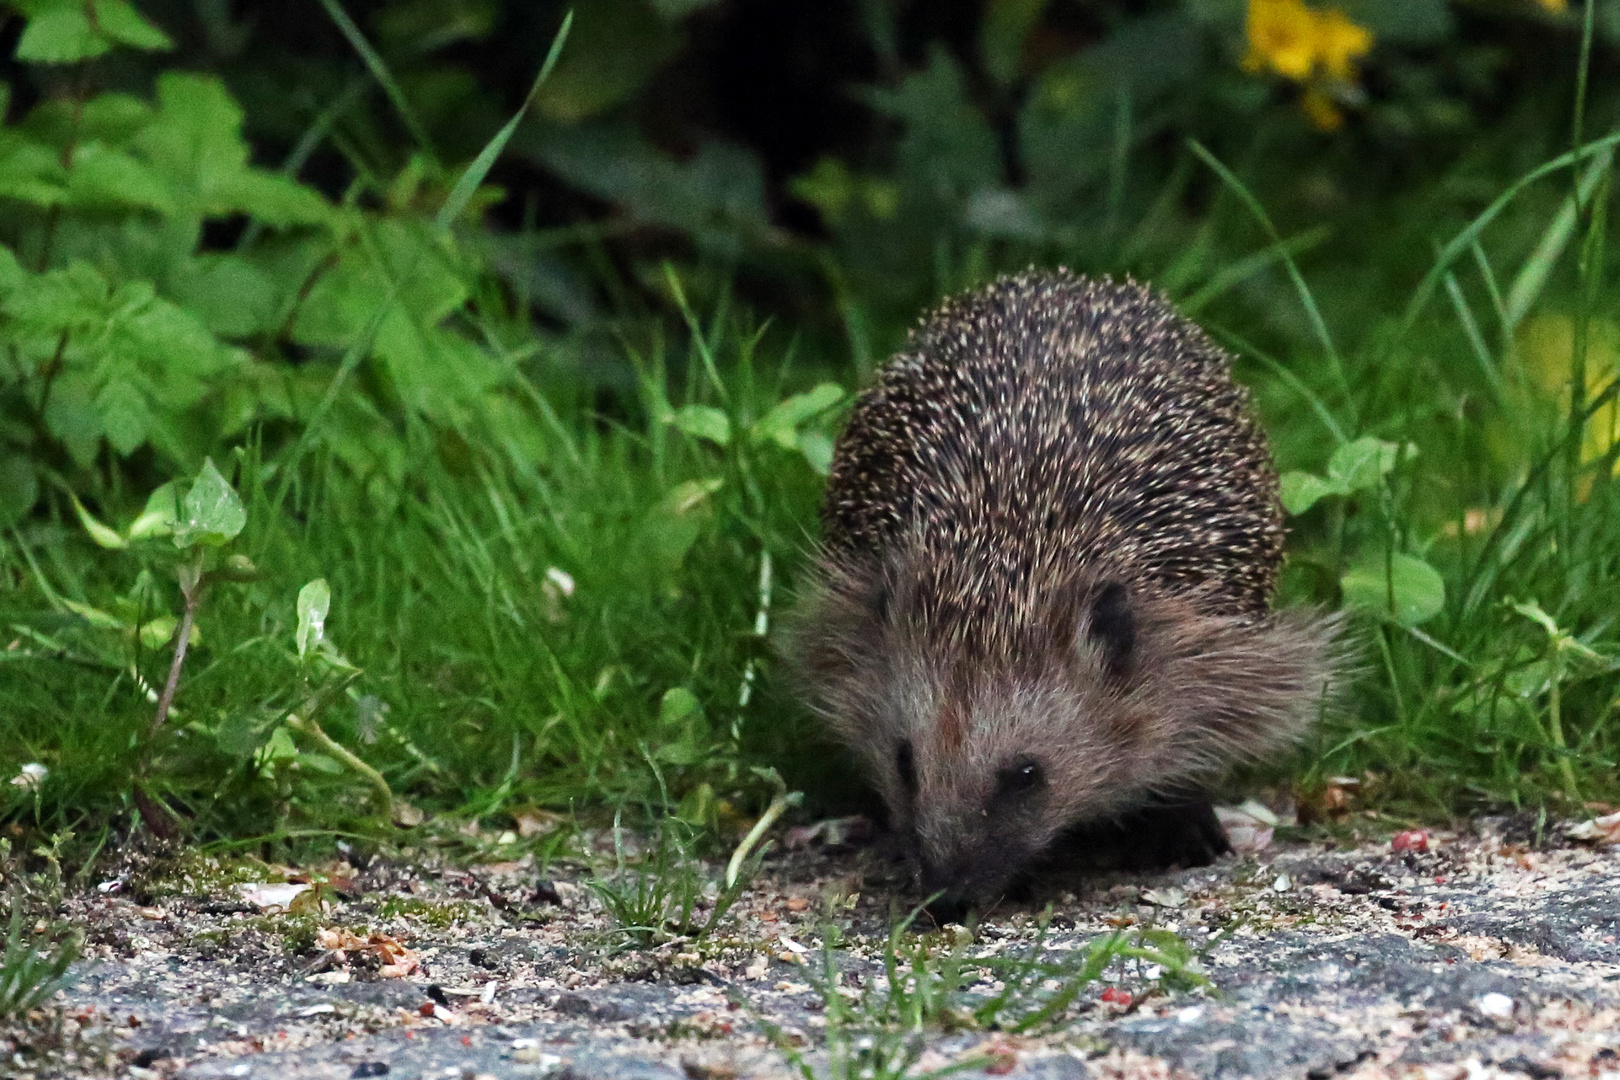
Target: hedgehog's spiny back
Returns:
[1051, 422]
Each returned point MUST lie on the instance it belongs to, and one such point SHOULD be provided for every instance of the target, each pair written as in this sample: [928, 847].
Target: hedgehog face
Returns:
[990, 731]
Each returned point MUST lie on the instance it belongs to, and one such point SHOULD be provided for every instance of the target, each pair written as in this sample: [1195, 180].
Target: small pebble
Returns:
[1283, 883]
[1497, 1006]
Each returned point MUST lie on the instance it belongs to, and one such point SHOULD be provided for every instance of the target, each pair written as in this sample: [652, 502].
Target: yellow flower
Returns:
[1282, 37]
[1340, 43]
[1321, 111]
[1557, 7]
[1311, 46]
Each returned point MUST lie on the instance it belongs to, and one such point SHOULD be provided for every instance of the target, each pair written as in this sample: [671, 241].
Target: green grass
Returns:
[560, 593]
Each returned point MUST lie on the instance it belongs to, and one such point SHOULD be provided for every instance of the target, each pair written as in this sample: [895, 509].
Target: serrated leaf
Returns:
[703, 422]
[314, 600]
[212, 513]
[125, 417]
[1416, 589]
[162, 514]
[1300, 491]
[1360, 465]
[102, 534]
[781, 424]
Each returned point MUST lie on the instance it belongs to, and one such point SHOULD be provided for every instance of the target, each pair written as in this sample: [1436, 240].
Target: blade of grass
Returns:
[1471, 232]
[474, 174]
[1251, 265]
[1242, 345]
[379, 71]
[1532, 277]
[1318, 324]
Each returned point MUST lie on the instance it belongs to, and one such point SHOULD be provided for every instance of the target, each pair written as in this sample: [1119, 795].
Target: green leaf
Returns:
[212, 512]
[232, 296]
[314, 600]
[162, 514]
[101, 534]
[678, 706]
[1302, 490]
[119, 20]
[1415, 588]
[67, 31]
[817, 448]
[703, 422]
[781, 424]
[1360, 465]
[19, 488]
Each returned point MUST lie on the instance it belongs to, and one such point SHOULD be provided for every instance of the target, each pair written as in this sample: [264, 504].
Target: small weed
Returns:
[661, 898]
[877, 1031]
[437, 914]
[38, 950]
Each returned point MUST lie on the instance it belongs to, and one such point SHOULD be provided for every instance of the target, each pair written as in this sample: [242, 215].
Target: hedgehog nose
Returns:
[950, 902]
[949, 908]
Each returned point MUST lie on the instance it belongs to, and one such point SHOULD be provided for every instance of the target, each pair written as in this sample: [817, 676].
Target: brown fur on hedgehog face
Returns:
[1105, 692]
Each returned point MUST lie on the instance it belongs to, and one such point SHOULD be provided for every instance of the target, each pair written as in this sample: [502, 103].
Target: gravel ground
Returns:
[1485, 955]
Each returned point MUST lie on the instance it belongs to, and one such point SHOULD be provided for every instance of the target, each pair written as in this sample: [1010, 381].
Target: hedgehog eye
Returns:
[1112, 626]
[1023, 775]
[906, 766]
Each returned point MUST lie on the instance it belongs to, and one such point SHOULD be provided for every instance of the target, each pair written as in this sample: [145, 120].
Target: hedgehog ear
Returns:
[1111, 625]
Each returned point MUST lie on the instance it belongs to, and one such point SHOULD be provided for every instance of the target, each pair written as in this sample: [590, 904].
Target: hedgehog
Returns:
[1039, 612]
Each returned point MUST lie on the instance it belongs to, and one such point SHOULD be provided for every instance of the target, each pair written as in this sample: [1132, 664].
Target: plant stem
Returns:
[1556, 724]
[306, 725]
[193, 594]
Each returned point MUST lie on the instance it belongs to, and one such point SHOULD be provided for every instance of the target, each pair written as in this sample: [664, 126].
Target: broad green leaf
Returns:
[11, 272]
[703, 422]
[67, 31]
[104, 178]
[125, 416]
[1417, 589]
[1361, 464]
[194, 144]
[103, 535]
[212, 513]
[19, 488]
[230, 295]
[781, 424]
[1300, 491]
[314, 600]
[119, 20]
[162, 514]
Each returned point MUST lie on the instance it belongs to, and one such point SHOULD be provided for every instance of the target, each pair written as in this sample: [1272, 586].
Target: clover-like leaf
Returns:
[212, 513]
[1360, 464]
[1300, 491]
[1406, 589]
[162, 514]
[314, 601]
[781, 424]
[703, 422]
